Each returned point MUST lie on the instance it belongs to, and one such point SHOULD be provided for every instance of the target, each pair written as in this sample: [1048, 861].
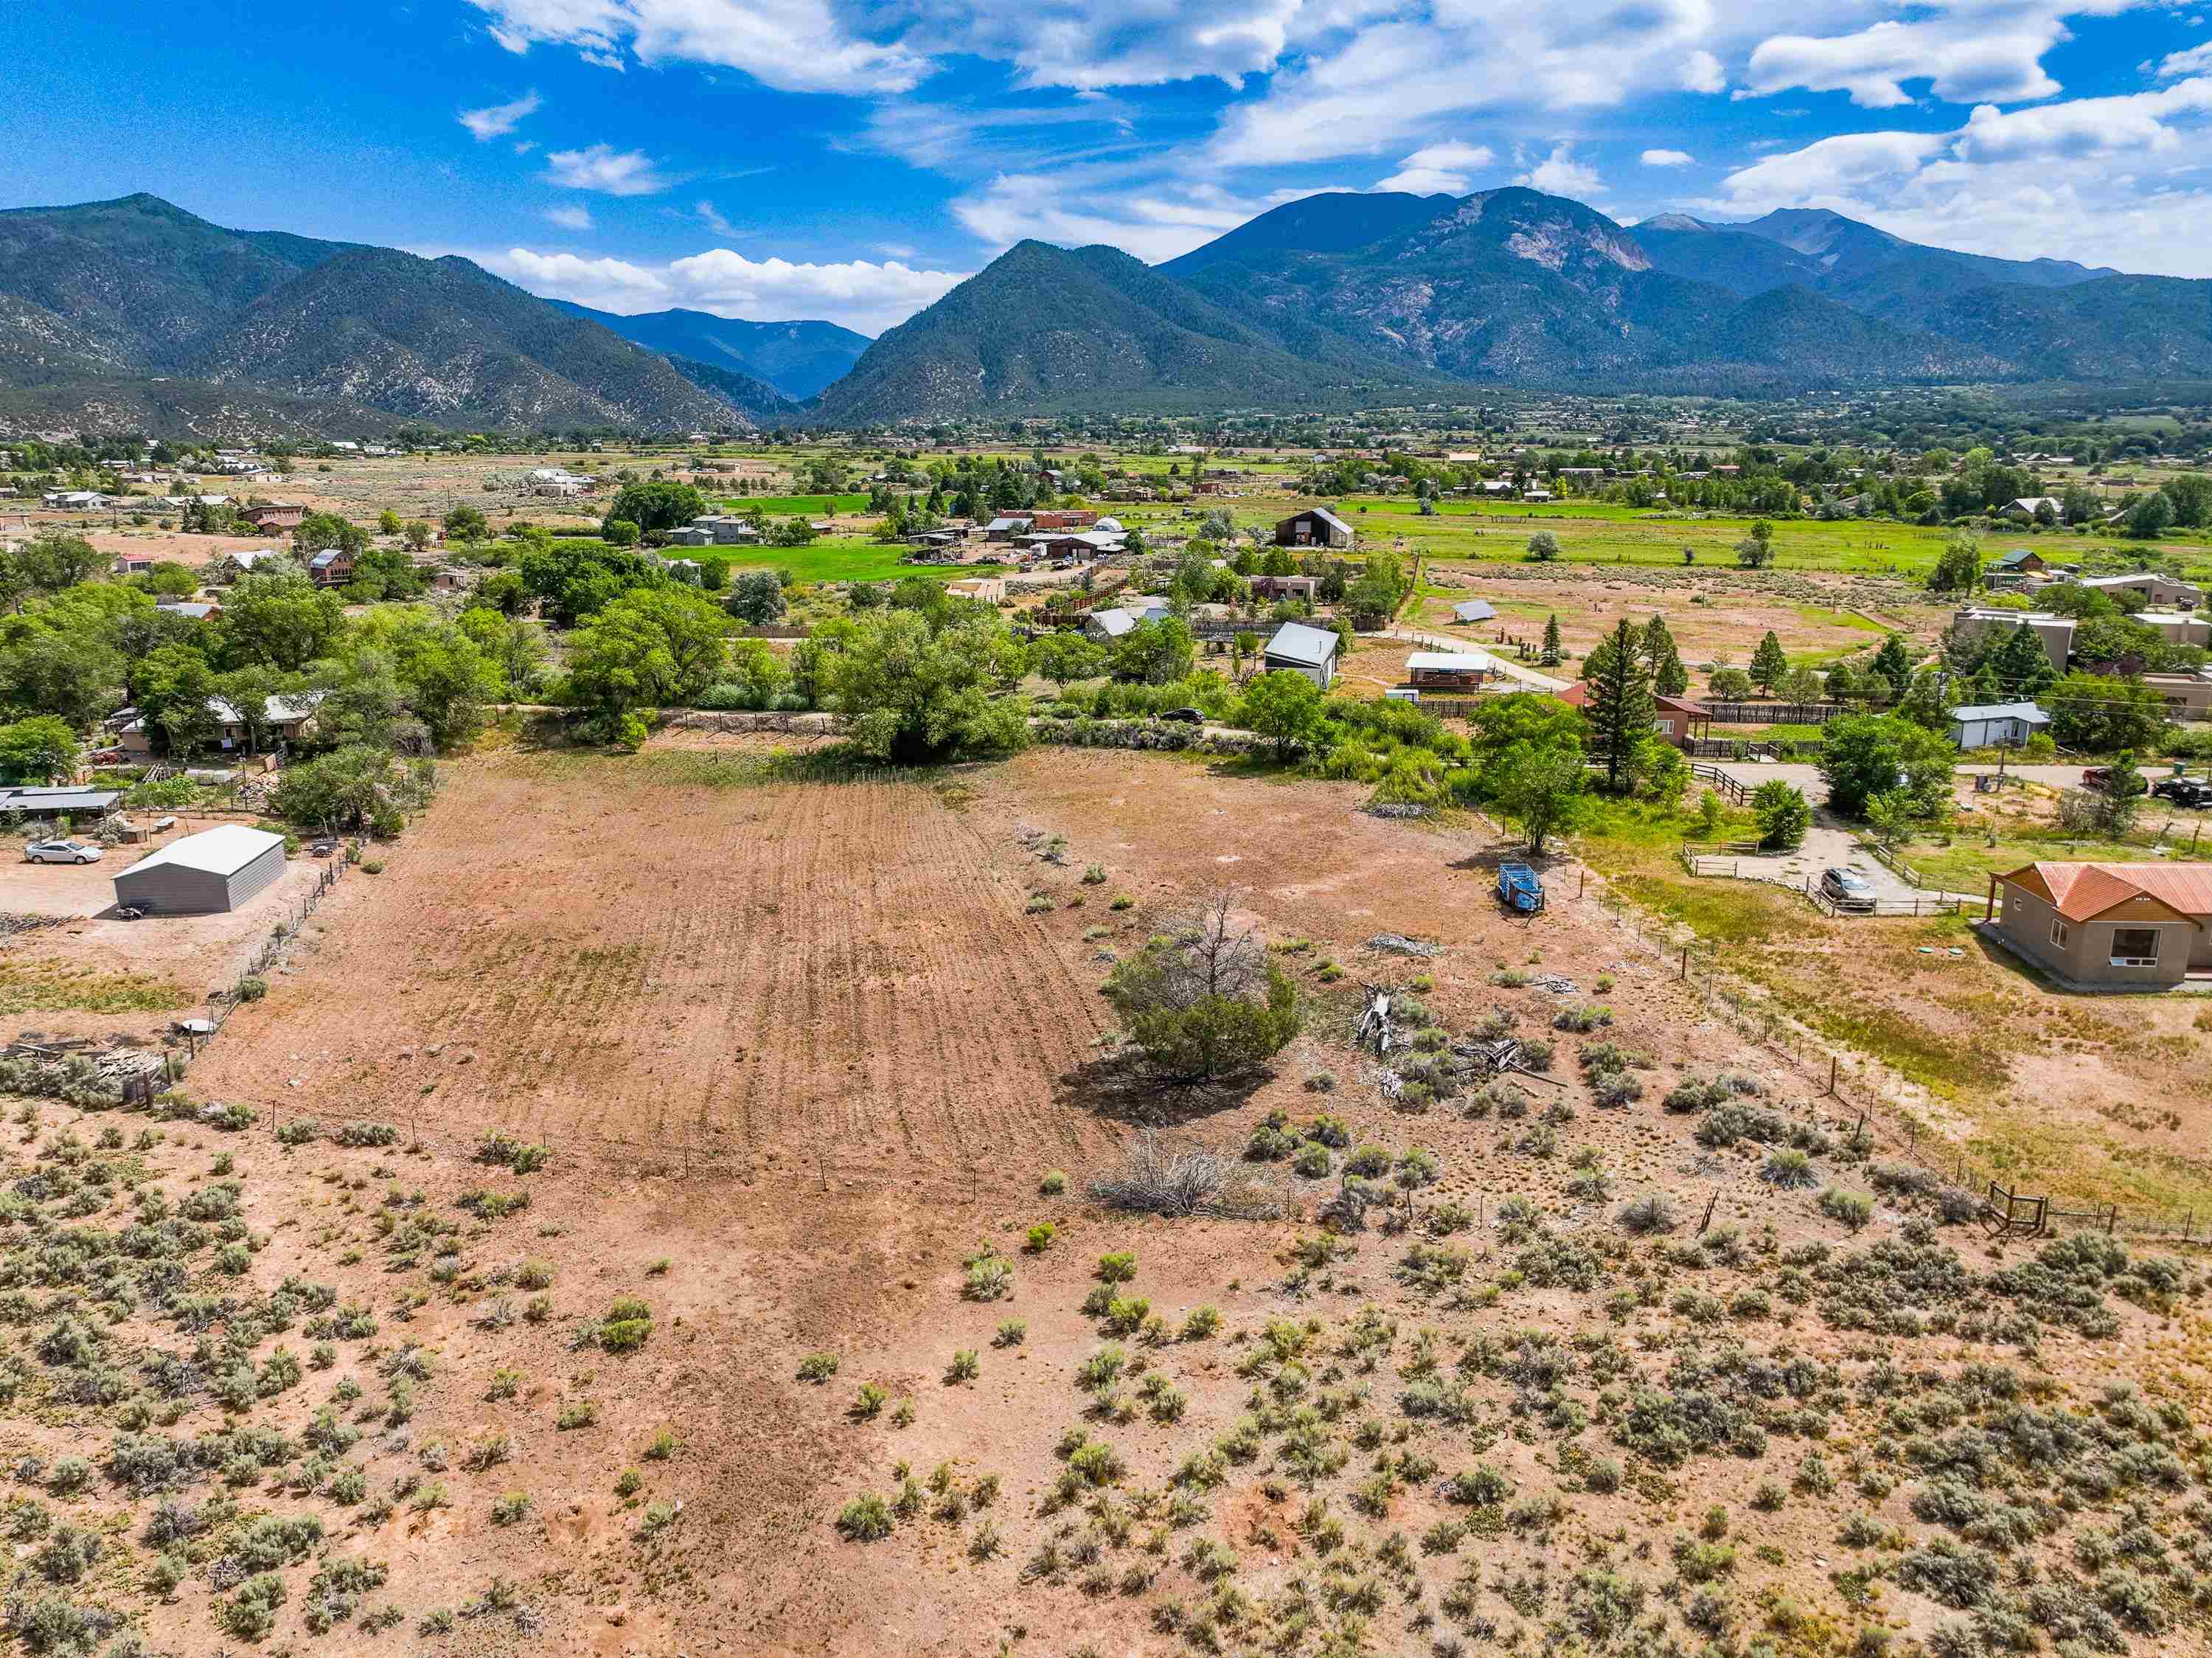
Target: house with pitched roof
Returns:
[2118, 926]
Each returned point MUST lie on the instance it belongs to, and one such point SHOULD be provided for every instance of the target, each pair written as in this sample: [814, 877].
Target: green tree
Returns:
[166, 579]
[1207, 1004]
[336, 792]
[1959, 566]
[39, 749]
[1067, 658]
[1894, 661]
[1543, 548]
[69, 674]
[2150, 515]
[2191, 496]
[2100, 714]
[1620, 709]
[1668, 677]
[1768, 664]
[388, 523]
[1925, 702]
[55, 559]
[917, 687]
[1756, 549]
[2120, 796]
[1541, 786]
[320, 531]
[173, 687]
[1782, 814]
[619, 532]
[1868, 754]
[1154, 653]
[447, 678]
[1288, 710]
[651, 648]
[1551, 651]
[466, 524]
[279, 619]
[2021, 665]
[1729, 684]
[1799, 684]
[757, 598]
[655, 505]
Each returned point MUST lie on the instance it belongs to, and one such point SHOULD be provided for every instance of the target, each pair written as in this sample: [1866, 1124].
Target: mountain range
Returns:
[134, 315]
[797, 358]
[1376, 291]
[135, 304]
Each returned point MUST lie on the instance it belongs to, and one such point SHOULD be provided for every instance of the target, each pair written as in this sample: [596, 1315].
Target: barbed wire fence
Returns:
[1862, 1089]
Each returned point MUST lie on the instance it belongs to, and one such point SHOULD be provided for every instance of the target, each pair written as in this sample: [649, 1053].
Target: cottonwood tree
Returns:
[1288, 710]
[1541, 786]
[1543, 547]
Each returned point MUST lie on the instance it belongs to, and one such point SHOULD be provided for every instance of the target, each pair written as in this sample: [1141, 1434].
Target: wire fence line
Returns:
[1857, 1086]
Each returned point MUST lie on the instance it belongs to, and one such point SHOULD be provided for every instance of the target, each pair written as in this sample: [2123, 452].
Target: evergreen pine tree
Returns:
[1552, 640]
[2022, 666]
[1768, 664]
[1668, 677]
[1620, 708]
[1894, 661]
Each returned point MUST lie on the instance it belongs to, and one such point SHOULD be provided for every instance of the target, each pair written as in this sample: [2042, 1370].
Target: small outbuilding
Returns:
[1297, 649]
[211, 872]
[1986, 725]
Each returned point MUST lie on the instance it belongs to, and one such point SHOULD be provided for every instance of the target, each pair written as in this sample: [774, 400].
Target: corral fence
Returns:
[1860, 1104]
[1920, 903]
[1730, 748]
[1773, 713]
[1735, 792]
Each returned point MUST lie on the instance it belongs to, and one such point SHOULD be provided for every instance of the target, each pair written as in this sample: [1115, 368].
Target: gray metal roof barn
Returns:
[213, 871]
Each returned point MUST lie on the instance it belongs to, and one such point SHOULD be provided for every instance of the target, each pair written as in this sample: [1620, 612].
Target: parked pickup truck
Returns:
[2100, 777]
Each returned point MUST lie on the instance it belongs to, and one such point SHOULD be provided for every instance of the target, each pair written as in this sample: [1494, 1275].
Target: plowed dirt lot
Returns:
[583, 950]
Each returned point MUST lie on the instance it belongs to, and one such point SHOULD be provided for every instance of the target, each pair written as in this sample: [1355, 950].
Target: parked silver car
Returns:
[1847, 889]
[61, 851]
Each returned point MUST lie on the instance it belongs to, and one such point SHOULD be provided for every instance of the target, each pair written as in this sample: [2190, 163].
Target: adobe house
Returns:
[2122, 926]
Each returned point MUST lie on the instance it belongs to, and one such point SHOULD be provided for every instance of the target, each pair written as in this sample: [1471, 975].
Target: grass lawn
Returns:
[1965, 865]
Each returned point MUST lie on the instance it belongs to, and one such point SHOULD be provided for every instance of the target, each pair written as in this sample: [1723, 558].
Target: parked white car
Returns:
[61, 851]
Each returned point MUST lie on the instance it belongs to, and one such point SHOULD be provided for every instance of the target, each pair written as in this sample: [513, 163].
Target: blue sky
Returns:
[852, 159]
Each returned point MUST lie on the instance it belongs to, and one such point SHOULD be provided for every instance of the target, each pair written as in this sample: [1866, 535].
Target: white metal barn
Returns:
[211, 872]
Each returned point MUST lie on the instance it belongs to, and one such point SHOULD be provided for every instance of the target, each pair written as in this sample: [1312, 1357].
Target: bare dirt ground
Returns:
[799, 1050]
[96, 975]
[1716, 616]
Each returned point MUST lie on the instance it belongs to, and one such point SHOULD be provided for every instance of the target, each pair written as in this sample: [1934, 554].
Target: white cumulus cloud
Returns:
[1154, 220]
[1439, 169]
[859, 293]
[496, 120]
[1668, 158]
[1560, 175]
[604, 168]
[569, 218]
[796, 46]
